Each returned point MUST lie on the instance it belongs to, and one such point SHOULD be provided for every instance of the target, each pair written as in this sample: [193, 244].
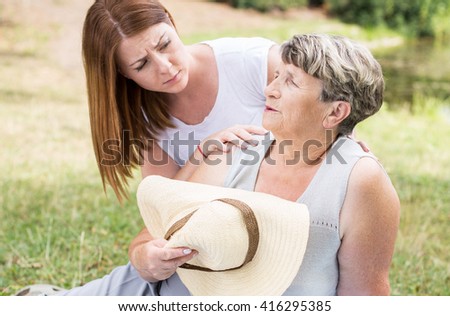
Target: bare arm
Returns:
[147, 254]
[151, 260]
[369, 224]
[213, 170]
[158, 162]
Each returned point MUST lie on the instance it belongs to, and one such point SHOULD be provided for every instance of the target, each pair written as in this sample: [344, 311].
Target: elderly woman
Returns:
[324, 86]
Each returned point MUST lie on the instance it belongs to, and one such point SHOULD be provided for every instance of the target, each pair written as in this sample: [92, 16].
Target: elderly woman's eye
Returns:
[292, 82]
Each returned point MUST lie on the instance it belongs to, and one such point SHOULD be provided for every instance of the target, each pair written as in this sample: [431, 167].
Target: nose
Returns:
[272, 91]
[162, 62]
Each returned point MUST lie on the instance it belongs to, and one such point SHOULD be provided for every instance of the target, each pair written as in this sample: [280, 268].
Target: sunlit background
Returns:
[57, 225]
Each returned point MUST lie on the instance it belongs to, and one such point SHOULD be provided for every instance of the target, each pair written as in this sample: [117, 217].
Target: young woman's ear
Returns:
[337, 112]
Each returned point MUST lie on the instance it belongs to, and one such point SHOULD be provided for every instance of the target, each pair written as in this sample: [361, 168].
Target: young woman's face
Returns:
[155, 59]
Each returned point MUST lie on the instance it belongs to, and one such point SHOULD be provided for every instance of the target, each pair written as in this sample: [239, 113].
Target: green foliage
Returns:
[266, 5]
[416, 18]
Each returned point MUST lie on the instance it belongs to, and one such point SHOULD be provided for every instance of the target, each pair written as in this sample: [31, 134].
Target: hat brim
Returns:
[283, 229]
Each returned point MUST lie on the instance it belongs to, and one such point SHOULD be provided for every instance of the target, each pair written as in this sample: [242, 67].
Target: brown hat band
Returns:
[250, 223]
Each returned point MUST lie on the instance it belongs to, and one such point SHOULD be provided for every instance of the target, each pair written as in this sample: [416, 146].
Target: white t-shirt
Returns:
[242, 69]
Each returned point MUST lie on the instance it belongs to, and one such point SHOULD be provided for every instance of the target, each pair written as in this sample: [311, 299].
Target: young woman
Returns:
[146, 87]
[154, 102]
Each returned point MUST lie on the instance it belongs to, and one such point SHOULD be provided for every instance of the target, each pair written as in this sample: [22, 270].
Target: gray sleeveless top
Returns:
[319, 272]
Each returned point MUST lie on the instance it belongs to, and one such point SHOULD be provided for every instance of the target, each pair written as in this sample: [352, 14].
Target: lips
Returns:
[270, 109]
[173, 79]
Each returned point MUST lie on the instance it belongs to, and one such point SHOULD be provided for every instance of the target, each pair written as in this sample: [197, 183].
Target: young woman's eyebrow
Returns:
[145, 57]
[159, 42]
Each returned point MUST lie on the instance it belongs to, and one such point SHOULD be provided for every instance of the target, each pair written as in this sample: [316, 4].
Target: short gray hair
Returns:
[347, 69]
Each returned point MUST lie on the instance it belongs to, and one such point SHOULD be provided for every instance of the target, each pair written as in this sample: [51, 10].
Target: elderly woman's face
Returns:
[155, 59]
[293, 104]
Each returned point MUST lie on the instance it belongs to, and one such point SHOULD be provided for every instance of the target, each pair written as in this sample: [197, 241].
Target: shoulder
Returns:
[370, 196]
[368, 175]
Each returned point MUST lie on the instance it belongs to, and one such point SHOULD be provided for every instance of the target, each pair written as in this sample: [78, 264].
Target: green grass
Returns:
[59, 227]
[414, 150]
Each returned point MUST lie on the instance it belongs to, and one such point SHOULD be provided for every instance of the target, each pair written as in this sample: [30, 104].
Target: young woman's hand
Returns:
[361, 143]
[241, 136]
[154, 262]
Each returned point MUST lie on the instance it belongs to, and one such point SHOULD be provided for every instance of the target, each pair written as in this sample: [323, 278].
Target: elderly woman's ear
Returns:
[336, 113]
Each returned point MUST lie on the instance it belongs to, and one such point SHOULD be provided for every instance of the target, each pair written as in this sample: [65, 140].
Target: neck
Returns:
[195, 79]
[302, 152]
[195, 101]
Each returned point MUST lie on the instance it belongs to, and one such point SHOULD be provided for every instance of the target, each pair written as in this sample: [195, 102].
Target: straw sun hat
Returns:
[248, 243]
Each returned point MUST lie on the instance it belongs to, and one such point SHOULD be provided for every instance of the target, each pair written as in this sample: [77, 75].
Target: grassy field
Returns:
[59, 227]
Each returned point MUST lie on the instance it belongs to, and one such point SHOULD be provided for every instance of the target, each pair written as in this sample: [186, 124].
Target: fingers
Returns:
[179, 261]
[364, 146]
[169, 267]
[156, 262]
[168, 254]
[259, 130]
[159, 242]
[246, 132]
[239, 135]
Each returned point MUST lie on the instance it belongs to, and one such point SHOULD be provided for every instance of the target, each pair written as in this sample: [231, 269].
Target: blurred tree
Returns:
[266, 5]
[416, 18]
[316, 3]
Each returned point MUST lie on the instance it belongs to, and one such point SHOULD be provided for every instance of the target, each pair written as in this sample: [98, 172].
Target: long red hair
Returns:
[117, 105]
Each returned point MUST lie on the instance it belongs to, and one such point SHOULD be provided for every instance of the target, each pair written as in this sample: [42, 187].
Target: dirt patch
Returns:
[63, 20]
[195, 16]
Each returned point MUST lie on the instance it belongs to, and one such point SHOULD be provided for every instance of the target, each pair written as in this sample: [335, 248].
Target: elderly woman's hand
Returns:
[154, 262]
[238, 135]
